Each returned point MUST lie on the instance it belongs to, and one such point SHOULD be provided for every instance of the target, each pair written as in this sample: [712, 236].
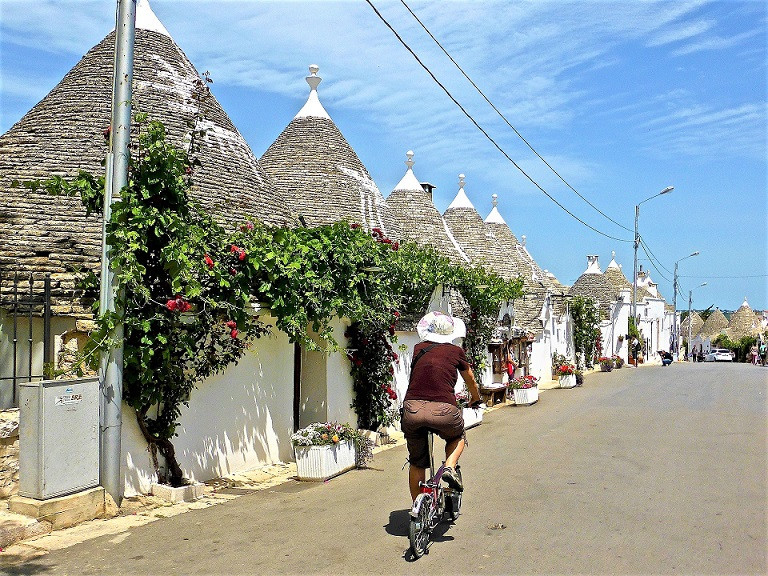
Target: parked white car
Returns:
[718, 355]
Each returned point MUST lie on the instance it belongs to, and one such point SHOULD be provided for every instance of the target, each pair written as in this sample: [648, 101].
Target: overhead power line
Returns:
[519, 135]
[652, 259]
[482, 130]
[726, 277]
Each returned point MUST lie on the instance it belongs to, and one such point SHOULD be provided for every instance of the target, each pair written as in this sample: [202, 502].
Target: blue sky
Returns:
[621, 98]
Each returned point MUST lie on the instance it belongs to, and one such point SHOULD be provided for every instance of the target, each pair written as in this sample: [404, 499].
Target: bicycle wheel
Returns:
[418, 530]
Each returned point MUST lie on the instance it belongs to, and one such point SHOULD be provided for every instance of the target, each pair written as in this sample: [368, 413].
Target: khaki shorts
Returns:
[421, 416]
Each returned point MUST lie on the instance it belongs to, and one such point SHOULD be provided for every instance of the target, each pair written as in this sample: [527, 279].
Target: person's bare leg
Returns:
[453, 450]
[416, 475]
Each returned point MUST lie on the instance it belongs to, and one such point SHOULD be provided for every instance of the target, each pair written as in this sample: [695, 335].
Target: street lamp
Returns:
[690, 293]
[666, 190]
[675, 335]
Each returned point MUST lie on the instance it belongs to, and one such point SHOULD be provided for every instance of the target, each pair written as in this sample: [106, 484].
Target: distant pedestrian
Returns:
[762, 353]
[754, 354]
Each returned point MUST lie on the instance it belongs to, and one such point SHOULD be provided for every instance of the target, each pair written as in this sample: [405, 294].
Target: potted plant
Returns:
[557, 361]
[326, 449]
[524, 390]
[618, 361]
[567, 375]
[606, 364]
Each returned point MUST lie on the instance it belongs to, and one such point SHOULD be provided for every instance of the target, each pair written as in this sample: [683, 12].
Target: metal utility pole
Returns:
[637, 243]
[675, 336]
[111, 370]
[690, 296]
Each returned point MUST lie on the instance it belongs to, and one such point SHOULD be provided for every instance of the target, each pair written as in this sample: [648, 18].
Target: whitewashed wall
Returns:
[238, 420]
[614, 329]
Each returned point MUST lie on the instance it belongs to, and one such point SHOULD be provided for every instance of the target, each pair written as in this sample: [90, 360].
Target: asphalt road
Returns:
[645, 470]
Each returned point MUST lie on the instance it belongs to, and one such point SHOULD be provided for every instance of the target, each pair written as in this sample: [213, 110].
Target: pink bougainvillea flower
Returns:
[395, 246]
[241, 255]
[208, 262]
[354, 226]
[231, 324]
[171, 305]
[234, 333]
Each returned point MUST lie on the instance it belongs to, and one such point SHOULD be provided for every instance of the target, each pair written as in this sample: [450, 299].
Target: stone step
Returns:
[17, 527]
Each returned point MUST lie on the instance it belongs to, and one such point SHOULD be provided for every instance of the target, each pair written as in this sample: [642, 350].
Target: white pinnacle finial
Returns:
[523, 238]
[313, 79]
[461, 181]
[613, 254]
[313, 108]
[495, 200]
[409, 162]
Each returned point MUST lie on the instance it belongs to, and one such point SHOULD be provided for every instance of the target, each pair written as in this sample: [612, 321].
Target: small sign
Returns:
[67, 399]
[72, 395]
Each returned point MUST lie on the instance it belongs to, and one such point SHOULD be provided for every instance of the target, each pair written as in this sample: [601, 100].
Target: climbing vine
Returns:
[586, 330]
[186, 290]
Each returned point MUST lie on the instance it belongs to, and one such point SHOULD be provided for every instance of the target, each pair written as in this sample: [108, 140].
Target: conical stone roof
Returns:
[469, 230]
[744, 322]
[418, 220]
[615, 275]
[323, 179]
[63, 134]
[714, 324]
[696, 325]
[595, 285]
[518, 263]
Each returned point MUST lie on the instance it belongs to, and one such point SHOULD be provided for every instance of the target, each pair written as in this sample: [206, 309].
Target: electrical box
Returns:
[58, 437]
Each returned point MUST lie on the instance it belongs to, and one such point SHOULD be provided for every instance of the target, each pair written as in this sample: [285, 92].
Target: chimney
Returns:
[428, 188]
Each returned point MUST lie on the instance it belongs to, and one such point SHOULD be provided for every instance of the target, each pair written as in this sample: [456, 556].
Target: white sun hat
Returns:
[441, 327]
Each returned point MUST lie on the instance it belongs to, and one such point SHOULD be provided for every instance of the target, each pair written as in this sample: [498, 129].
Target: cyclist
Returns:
[430, 402]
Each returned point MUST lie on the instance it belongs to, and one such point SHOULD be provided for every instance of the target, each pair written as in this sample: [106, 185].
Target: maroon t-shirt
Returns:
[434, 376]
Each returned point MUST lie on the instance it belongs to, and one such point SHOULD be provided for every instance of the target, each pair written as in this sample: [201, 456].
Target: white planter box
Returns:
[318, 463]
[568, 381]
[526, 396]
[472, 417]
[176, 494]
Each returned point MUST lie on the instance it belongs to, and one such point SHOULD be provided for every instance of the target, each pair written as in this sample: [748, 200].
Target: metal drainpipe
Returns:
[111, 371]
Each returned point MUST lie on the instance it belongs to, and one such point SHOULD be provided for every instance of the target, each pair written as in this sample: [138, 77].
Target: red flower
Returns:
[392, 330]
[233, 248]
[208, 262]
[232, 271]
[396, 313]
[233, 333]
[354, 226]
[178, 304]
[395, 356]
[231, 324]
[188, 170]
[395, 246]
[241, 255]
[106, 132]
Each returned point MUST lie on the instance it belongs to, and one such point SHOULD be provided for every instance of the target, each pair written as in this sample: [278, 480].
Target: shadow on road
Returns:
[398, 522]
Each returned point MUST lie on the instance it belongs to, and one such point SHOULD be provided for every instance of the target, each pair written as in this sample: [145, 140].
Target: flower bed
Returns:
[326, 449]
[524, 390]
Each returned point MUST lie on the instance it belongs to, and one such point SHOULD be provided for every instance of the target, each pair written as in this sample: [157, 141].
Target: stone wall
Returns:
[9, 452]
